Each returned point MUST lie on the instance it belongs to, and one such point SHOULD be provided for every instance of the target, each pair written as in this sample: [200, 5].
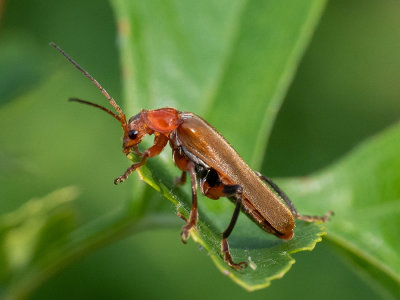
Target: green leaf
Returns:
[43, 147]
[230, 62]
[364, 191]
[19, 69]
[268, 257]
[31, 237]
[223, 60]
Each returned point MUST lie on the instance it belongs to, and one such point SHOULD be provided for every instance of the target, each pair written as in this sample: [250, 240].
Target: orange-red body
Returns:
[198, 149]
[200, 140]
[193, 139]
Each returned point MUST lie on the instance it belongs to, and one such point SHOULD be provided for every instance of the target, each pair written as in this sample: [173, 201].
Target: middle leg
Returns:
[212, 186]
[193, 213]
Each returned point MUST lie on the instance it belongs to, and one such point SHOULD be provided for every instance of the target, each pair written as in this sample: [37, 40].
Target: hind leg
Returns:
[289, 203]
[236, 192]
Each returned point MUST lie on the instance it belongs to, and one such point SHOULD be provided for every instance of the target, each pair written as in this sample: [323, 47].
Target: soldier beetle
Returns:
[212, 163]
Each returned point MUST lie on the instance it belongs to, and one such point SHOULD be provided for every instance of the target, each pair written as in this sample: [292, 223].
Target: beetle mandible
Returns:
[212, 163]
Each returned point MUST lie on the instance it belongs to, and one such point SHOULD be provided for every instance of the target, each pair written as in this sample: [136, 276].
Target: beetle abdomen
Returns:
[204, 142]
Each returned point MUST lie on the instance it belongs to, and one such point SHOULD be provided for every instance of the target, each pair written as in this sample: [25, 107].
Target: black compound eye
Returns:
[133, 134]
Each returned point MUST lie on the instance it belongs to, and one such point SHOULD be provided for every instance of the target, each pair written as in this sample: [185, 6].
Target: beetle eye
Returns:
[133, 134]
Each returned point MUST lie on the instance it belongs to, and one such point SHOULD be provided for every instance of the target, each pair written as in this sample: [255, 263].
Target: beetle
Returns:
[213, 165]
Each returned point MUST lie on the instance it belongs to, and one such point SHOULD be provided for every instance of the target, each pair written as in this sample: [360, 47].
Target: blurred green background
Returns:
[345, 90]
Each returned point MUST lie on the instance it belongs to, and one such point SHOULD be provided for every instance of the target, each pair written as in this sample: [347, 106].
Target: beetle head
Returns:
[136, 130]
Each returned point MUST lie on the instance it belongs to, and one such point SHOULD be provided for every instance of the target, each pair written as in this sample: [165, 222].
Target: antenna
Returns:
[121, 118]
[95, 105]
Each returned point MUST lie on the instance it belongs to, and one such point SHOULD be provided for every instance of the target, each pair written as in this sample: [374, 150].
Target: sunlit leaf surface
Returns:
[230, 62]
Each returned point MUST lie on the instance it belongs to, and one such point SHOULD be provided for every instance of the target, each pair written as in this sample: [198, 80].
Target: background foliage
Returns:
[345, 91]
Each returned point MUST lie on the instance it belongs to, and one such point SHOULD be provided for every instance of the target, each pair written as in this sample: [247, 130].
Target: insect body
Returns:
[212, 163]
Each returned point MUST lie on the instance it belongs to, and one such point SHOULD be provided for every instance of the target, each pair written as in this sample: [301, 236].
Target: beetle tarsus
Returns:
[118, 180]
[189, 224]
[228, 258]
[186, 232]
[128, 172]
[324, 218]
[184, 237]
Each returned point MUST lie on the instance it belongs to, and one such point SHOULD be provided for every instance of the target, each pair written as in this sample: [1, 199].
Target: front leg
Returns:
[160, 141]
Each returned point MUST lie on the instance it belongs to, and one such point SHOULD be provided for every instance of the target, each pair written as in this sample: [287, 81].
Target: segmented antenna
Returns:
[95, 105]
[121, 118]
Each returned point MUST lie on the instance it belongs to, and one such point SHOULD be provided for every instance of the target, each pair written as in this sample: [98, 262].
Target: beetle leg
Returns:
[289, 203]
[181, 162]
[180, 180]
[136, 150]
[237, 191]
[128, 171]
[324, 218]
[181, 216]
[193, 213]
[160, 141]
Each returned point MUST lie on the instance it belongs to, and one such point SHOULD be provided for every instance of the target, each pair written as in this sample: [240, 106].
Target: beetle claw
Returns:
[184, 238]
[237, 266]
[185, 229]
[186, 232]
[240, 266]
[326, 216]
[119, 179]
[228, 258]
